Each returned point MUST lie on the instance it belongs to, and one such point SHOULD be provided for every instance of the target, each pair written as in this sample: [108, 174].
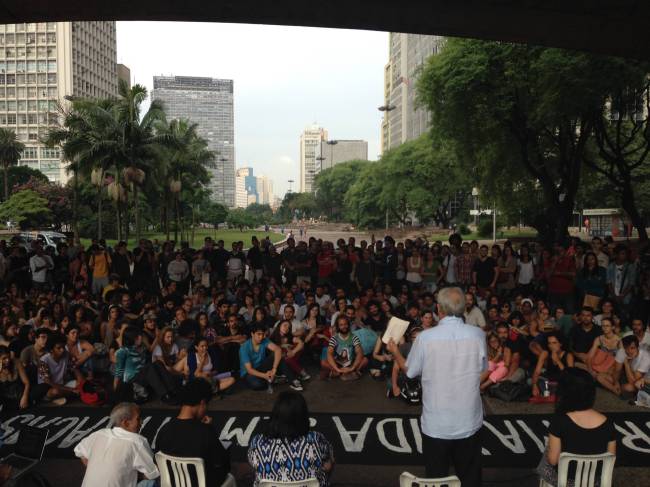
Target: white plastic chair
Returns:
[180, 471]
[297, 483]
[585, 470]
[409, 480]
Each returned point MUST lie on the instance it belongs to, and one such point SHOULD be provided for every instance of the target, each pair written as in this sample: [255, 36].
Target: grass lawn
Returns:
[502, 234]
[228, 236]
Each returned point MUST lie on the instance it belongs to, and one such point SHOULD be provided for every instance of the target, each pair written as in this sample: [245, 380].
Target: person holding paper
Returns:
[450, 358]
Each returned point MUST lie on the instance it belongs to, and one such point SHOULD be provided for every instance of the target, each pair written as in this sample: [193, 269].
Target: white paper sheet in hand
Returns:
[395, 330]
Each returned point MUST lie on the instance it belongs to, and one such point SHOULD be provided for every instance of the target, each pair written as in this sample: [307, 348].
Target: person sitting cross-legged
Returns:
[344, 355]
[55, 374]
[261, 360]
[115, 456]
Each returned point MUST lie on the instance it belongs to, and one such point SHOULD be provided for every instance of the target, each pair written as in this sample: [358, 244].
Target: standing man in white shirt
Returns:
[114, 456]
[39, 264]
[449, 358]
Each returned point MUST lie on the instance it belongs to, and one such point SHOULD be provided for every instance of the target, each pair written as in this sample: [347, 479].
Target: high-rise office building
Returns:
[403, 118]
[311, 137]
[124, 73]
[40, 65]
[264, 190]
[241, 195]
[207, 102]
[332, 152]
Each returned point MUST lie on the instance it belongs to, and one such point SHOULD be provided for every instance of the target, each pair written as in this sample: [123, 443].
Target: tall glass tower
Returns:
[207, 102]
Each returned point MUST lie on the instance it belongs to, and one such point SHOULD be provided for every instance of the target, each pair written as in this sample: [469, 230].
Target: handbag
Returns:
[510, 391]
[602, 361]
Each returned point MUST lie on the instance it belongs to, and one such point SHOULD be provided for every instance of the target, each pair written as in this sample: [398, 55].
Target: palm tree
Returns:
[10, 151]
[186, 158]
[89, 140]
[140, 142]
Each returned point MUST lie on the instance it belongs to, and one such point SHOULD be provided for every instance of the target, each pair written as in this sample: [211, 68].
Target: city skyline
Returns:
[278, 93]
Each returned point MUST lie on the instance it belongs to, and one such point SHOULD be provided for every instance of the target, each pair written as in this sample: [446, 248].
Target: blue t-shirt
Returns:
[247, 354]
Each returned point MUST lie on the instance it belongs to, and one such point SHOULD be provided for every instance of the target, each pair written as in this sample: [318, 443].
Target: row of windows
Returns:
[29, 118]
[28, 105]
[30, 52]
[30, 79]
[30, 27]
[28, 92]
[28, 38]
[40, 66]
[46, 153]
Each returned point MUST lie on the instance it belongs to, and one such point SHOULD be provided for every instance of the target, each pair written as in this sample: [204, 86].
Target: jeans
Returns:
[259, 384]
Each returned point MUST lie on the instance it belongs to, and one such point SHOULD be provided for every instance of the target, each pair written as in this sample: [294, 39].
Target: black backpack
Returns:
[510, 391]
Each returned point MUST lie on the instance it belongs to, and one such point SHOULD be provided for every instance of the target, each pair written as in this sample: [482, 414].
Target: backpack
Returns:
[510, 391]
[92, 393]
[411, 391]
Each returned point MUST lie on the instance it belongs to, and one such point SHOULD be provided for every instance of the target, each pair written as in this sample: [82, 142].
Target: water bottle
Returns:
[269, 388]
[547, 389]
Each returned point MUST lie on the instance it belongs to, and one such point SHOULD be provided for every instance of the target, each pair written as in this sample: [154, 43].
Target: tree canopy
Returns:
[27, 209]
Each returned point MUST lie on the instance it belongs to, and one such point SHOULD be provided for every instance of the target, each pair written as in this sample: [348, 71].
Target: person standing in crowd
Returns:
[287, 436]
[450, 359]
[116, 456]
[192, 435]
[39, 264]
[100, 265]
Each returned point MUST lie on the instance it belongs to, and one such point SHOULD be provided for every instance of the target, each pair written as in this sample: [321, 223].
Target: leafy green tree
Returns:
[261, 214]
[362, 205]
[57, 199]
[10, 150]
[19, 175]
[238, 218]
[26, 208]
[303, 205]
[516, 113]
[333, 183]
[213, 213]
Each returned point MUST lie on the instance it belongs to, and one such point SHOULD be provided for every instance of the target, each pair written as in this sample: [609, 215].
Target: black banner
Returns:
[363, 439]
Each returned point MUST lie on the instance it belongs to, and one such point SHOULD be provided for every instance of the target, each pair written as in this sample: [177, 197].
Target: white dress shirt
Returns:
[115, 456]
[450, 359]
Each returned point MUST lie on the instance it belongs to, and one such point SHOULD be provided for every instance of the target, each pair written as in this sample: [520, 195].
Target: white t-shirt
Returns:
[115, 456]
[475, 317]
[40, 261]
[640, 363]
[526, 272]
[158, 353]
[324, 302]
[297, 327]
[450, 265]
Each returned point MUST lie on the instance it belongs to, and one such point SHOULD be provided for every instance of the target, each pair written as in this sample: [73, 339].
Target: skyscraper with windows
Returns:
[310, 139]
[207, 102]
[40, 65]
[404, 119]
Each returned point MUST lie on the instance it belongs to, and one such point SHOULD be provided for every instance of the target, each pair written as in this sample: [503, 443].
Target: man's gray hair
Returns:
[451, 301]
[122, 412]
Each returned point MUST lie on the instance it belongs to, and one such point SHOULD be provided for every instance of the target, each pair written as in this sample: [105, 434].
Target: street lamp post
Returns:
[387, 108]
[332, 143]
[290, 181]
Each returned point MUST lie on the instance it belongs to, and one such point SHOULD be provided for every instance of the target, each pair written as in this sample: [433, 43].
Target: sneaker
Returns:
[304, 375]
[279, 379]
[296, 385]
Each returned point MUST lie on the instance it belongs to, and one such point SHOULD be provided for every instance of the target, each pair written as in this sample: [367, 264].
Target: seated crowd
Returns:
[141, 323]
[155, 321]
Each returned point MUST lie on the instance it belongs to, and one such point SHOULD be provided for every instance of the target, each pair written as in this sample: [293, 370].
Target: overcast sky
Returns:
[285, 78]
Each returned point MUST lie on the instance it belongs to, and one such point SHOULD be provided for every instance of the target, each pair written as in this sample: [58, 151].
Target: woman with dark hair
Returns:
[576, 427]
[551, 363]
[591, 281]
[198, 364]
[14, 383]
[133, 374]
[287, 436]
[292, 347]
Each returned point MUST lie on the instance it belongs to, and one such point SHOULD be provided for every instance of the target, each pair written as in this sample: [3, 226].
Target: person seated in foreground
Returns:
[632, 364]
[56, 378]
[258, 366]
[344, 355]
[287, 436]
[114, 456]
[192, 435]
[576, 427]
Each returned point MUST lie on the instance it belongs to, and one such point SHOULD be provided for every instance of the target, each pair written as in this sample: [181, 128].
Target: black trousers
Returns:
[463, 454]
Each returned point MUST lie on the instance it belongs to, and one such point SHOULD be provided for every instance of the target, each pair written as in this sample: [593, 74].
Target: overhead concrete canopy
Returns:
[617, 27]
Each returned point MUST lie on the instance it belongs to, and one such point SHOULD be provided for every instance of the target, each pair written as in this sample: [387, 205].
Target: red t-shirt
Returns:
[562, 284]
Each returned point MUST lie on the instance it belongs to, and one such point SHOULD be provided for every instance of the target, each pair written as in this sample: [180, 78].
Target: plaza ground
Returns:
[364, 396]
[227, 235]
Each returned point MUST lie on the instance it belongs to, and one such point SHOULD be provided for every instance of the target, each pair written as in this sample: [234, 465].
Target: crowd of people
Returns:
[140, 323]
[155, 316]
